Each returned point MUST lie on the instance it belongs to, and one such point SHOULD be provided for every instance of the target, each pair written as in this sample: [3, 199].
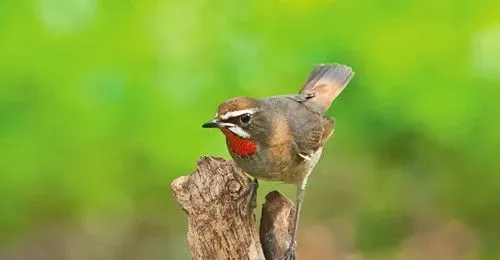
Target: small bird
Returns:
[280, 138]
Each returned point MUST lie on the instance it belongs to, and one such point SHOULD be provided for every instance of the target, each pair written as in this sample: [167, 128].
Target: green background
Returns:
[101, 106]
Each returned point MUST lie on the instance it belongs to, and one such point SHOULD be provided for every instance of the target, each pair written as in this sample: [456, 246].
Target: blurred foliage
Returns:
[101, 104]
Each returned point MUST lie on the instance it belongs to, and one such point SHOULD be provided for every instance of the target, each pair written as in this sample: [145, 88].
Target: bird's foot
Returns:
[290, 252]
[250, 194]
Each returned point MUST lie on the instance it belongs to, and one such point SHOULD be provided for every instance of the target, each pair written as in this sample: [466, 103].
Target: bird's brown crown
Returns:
[235, 105]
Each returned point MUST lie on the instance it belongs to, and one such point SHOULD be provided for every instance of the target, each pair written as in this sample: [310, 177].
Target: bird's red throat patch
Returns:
[240, 146]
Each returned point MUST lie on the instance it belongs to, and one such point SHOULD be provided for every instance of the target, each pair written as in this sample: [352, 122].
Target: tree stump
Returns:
[215, 199]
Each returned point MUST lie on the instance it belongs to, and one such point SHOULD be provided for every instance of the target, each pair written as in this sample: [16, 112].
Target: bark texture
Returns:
[215, 198]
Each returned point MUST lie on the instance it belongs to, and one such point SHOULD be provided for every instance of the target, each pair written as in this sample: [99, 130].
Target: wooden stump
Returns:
[276, 225]
[215, 199]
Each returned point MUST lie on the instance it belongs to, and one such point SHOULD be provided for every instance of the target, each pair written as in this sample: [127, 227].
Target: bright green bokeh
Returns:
[101, 106]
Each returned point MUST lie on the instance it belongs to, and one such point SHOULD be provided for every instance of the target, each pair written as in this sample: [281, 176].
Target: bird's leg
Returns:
[290, 252]
[250, 194]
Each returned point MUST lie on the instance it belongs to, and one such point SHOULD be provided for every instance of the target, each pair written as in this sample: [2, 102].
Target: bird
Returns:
[281, 138]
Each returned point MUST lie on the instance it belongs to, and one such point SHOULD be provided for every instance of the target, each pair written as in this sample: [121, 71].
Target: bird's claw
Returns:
[250, 195]
[290, 252]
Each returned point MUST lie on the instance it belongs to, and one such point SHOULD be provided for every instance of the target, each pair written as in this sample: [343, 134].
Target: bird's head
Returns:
[242, 121]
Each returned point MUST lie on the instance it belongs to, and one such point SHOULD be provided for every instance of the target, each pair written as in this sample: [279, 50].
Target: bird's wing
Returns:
[312, 136]
[328, 125]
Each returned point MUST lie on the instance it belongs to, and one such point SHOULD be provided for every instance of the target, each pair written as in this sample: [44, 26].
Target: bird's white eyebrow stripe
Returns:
[238, 113]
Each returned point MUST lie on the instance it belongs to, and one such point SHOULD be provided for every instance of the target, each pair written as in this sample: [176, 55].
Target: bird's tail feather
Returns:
[326, 82]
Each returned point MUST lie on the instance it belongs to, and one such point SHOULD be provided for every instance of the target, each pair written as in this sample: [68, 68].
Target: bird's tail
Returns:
[326, 82]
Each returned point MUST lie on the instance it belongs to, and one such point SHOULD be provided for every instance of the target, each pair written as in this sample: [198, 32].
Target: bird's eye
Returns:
[245, 118]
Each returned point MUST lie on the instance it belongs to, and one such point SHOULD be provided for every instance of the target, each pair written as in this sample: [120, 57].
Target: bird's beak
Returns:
[211, 124]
